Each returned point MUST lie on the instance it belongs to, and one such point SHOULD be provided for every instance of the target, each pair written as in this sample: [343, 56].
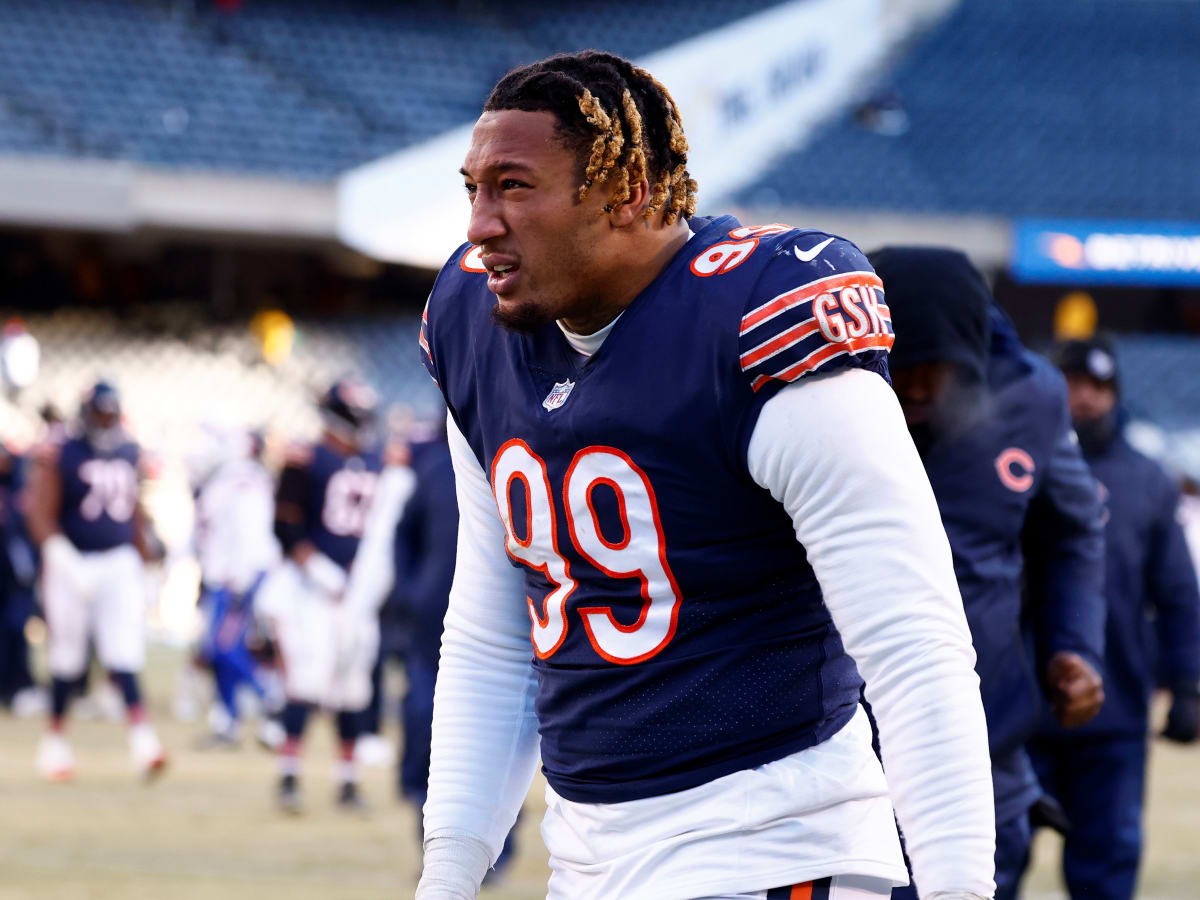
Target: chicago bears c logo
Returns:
[1015, 468]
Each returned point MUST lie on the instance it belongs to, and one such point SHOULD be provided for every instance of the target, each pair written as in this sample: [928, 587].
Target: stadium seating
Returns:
[177, 372]
[300, 87]
[1024, 108]
[1147, 363]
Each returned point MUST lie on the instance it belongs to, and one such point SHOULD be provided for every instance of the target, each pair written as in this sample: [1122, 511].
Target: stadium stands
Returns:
[1147, 363]
[181, 372]
[1023, 108]
[302, 88]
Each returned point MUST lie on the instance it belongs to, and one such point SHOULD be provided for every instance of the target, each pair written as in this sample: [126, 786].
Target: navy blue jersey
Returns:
[333, 492]
[678, 631]
[425, 547]
[99, 494]
[1016, 469]
[1149, 581]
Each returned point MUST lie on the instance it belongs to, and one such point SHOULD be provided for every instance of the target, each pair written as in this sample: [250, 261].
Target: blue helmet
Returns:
[101, 415]
[348, 408]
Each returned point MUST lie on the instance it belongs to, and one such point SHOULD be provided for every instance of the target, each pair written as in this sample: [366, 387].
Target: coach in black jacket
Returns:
[1097, 772]
[990, 421]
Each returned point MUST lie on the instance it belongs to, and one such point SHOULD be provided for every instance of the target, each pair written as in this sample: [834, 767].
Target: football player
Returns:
[326, 646]
[18, 576]
[690, 517]
[990, 421]
[1098, 772]
[236, 546]
[83, 512]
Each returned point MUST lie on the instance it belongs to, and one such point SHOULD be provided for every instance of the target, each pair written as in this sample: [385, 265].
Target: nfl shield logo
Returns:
[558, 395]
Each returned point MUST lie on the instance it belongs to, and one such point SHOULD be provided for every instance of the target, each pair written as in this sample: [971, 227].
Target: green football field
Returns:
[208, 829]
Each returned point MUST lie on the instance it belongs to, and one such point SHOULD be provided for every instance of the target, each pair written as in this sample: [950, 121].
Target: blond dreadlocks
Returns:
[622, 121]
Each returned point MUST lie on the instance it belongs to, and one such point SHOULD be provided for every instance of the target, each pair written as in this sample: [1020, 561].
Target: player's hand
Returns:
[1076, 689]
[1183, 720]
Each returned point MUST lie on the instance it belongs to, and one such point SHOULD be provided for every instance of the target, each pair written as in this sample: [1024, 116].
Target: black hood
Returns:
[940, 308]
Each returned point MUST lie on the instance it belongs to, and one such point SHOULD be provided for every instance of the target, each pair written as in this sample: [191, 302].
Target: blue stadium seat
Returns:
[301, 87]
[1025, 108]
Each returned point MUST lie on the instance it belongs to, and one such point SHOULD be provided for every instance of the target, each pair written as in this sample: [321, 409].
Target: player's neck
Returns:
[634, 276]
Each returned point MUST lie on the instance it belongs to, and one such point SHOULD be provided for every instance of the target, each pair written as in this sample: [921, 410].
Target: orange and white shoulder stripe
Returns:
[824, 354]
[804, 293]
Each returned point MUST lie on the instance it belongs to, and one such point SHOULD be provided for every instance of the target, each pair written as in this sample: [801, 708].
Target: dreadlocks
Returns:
[618, 118]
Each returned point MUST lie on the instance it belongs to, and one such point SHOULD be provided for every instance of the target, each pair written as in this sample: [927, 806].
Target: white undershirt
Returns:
[836, 453]
[587, 344]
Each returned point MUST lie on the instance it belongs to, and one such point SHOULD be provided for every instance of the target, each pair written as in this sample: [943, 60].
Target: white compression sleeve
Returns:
[836, 453]
[485, 739]
[373, 571]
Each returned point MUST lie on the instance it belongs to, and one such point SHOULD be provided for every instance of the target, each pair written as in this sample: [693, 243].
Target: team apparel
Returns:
[585, 461]
[99, 494]
[97, 593]
[339, 500]
[1147, 569]
[236, 546]
[234, 537]
[110, 610]
[646, 501]
[327, 646]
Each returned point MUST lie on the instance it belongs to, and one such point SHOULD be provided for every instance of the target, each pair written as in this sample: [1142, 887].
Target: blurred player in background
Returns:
[18, 575]
[236, 546]
[990, 421]
[1097, 772]
[425, 539]
[84, 514]
[326, 646]
[700, 540]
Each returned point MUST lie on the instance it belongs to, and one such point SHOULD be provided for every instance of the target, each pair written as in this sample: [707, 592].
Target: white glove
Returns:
[60, 556]
[325, 574]
[956, 895]
[454, 868]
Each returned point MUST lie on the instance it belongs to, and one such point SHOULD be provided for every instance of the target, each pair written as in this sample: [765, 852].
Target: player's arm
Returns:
[831, 445]
[42, 501]
[291, 526]
[1064, 550]
[836, 453]
[373, 572]
[1171, 580]
[145, 536]
[485, 740]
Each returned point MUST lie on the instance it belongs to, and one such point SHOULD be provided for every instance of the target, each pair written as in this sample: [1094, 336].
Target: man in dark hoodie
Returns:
[990, 421]
[1097, 772]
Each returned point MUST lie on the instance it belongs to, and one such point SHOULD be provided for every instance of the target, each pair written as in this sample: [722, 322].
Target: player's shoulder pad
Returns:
[461, 278]
[816, 306]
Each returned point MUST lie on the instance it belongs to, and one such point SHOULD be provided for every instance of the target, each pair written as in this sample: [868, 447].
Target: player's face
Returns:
[546, 251]
[922, 390]
[1089, 398]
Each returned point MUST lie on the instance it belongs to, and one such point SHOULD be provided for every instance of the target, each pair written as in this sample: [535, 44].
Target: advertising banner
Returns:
[1077, 251]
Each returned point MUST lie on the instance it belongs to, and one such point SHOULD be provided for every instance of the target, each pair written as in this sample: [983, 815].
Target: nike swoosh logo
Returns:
[812, 252]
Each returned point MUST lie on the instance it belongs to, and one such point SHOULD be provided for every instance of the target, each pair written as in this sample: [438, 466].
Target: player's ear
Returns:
[631, 210]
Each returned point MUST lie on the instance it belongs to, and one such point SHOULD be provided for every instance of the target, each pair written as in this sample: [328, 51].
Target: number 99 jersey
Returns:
[677, 630]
